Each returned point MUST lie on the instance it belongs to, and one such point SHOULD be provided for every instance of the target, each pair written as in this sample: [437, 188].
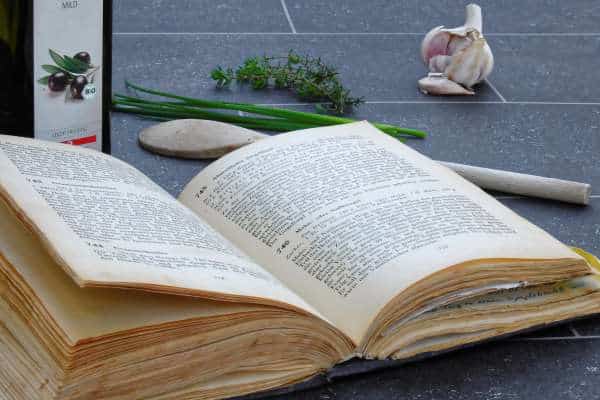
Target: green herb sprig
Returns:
[173, 106]
[308, 77]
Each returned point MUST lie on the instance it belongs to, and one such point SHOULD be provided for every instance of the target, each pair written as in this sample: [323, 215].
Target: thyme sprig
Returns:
[308, 77]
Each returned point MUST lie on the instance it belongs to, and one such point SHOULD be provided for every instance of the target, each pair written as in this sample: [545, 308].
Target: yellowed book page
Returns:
[348, 217]
[107, 224]
[515, 297]
[91, 312]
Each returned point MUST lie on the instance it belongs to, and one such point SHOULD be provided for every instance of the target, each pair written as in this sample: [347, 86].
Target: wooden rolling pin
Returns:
[204, 139]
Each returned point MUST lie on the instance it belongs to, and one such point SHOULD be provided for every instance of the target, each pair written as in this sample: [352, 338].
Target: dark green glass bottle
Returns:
[55, 70]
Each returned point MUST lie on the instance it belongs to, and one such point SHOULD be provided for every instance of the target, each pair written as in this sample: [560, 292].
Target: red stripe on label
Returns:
[83, 140]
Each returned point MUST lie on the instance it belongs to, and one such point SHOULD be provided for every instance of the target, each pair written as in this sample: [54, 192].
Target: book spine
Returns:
[61, 69]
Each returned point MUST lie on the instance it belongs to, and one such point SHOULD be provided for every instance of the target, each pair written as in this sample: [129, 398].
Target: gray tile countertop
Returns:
[538, 113]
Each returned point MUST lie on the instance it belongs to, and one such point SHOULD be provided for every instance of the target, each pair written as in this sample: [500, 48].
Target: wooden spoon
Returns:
[196, 138]
[204, 139]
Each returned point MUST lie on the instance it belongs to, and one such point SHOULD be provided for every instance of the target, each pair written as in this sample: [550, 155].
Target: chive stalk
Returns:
[270, 124]
[280, 120]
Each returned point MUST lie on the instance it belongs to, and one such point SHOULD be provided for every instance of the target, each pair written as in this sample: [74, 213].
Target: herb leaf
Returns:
[68, 63]
[58, 60]
[224, 77]
[77, 64]
[308, 77]
[52, 69]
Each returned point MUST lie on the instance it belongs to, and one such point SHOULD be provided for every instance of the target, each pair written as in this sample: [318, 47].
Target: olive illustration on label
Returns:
[57, 82]
[77, 73]
[83, 56]
[77, 87]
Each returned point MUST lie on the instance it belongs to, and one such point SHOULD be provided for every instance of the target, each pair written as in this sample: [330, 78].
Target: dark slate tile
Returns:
[562, 330]
[549, 140]
[506, 16]
[504, 370]
[508, 136]
[377, 68]
[171, 174]
[547, 68]
[199, 16]
[574, 225]
[588, 326]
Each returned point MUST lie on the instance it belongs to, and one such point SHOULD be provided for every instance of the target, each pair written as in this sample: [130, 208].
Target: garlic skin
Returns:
[461, 55]
[438, 84]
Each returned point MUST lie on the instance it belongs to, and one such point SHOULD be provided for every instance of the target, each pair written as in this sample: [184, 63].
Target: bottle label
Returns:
[68, 62]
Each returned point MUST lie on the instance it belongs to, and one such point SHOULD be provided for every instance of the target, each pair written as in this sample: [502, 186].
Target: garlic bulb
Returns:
[455, 57]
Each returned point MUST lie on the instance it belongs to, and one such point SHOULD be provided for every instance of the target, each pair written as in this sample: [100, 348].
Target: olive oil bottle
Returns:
[55, 70]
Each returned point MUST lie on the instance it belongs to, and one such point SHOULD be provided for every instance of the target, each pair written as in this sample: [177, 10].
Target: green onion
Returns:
[280, 119]
[167, 114]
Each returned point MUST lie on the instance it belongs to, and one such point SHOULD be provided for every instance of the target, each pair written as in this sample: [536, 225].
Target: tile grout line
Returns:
[544, 34]
[119, 9]
[554, 338]
[509, 197]
[594, 196]
[375, 102]
[495, 90]
[574, 331]
[560, 103]
[288, 16]
[294, 32]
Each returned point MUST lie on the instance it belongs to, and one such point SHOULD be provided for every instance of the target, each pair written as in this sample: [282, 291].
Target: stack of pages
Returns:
[277, 262]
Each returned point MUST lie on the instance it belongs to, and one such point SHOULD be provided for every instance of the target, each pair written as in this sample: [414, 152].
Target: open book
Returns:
[277, 261]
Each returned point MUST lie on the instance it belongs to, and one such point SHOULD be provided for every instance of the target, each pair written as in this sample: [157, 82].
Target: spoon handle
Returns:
[524, 184]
